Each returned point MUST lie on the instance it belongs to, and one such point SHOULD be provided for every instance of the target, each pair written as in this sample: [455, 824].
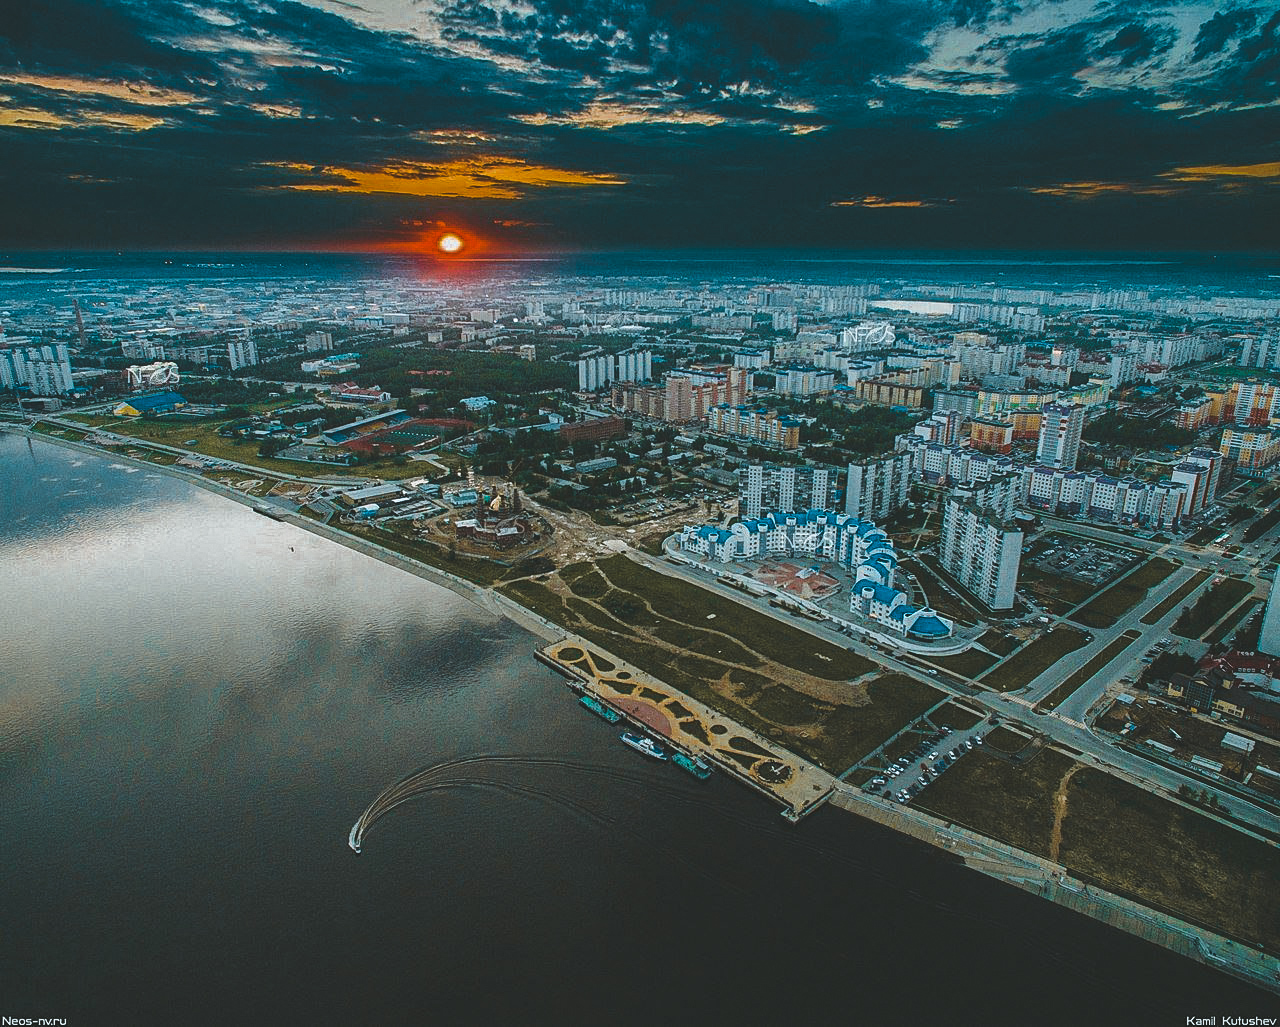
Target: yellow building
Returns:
[154, 403]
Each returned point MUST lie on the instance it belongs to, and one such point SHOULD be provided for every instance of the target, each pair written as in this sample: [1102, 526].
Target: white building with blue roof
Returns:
[859, 546]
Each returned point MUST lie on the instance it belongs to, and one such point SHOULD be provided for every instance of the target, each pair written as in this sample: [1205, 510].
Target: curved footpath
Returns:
[985, 855]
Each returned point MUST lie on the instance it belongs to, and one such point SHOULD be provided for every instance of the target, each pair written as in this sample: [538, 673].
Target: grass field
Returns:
[209, 443]
[1108, 607]
[687, 604]
[1005, 740]
[1156, 613]
[956, 716]
[482, 572]
[1237, 617]
[1204, 535]
[1195, 620]
[1127, 839]
[730, 661]
[998, 642]
[1056, 593]
[970, 663]
[943, 601]
[1034, 659]
[1108, 653]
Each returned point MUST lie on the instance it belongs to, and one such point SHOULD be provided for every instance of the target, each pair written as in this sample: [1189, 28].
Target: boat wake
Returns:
[450, 774]
[465, 772]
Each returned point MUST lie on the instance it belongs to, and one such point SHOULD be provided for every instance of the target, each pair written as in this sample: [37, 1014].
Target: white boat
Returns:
[645, 745]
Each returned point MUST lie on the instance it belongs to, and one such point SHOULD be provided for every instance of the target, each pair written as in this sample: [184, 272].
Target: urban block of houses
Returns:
[857, 545]
[1243, 686]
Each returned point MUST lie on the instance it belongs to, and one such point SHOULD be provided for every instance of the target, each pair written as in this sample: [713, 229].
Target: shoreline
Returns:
[979, 852]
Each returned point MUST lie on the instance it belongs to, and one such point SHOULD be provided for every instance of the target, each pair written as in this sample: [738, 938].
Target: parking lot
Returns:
[1080, 558]
[906, 777]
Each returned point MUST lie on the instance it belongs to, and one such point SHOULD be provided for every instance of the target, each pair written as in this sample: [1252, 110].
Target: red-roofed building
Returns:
[350, 392]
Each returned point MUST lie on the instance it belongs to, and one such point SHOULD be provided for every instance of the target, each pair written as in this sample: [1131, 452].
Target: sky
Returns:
[552, 125]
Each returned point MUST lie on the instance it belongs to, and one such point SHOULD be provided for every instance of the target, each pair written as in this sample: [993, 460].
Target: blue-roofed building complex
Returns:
[859, 546]
[152, 403]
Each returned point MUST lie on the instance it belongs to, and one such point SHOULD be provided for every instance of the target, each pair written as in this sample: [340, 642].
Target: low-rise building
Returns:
[151, 403]
[350, 392]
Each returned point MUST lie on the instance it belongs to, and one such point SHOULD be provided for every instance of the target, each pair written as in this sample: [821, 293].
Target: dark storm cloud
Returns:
[617, 122]
[1218, 30]
[1136, 42]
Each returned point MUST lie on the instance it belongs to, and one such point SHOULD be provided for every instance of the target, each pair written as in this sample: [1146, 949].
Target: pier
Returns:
[690, 727]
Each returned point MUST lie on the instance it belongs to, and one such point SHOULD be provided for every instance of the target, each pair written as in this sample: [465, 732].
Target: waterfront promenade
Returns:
[1050, 881]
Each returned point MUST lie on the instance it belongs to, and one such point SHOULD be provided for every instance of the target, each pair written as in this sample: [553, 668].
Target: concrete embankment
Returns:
[1050, 881]
[487, 600]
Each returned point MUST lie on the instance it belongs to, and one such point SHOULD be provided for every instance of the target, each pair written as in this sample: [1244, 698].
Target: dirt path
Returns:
[1060, 813]
[835, 692]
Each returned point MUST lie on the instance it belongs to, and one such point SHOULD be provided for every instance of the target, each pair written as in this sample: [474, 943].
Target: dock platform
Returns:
[691, 727]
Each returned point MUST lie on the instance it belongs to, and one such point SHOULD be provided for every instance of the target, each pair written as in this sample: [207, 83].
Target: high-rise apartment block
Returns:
[786, 489]
[596, 372]
[942, 427]
[981, 547]
[1060, 428]
[1106, 498]
[241, 353]
[1251, 448]
[876, 488]
[1200, 475]
[755, 425]
[684, 395]
[1269, 636]
[44, 369]
[804, 381]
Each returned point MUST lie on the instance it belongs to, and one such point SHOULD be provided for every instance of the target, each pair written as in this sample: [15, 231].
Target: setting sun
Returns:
[449, 243]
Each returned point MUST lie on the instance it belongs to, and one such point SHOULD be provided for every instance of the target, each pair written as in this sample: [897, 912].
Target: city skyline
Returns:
[525, 128]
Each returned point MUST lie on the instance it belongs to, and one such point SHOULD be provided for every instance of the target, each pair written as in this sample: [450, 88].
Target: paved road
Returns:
[1017, 708]
[1250, 564]
[161, 447]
